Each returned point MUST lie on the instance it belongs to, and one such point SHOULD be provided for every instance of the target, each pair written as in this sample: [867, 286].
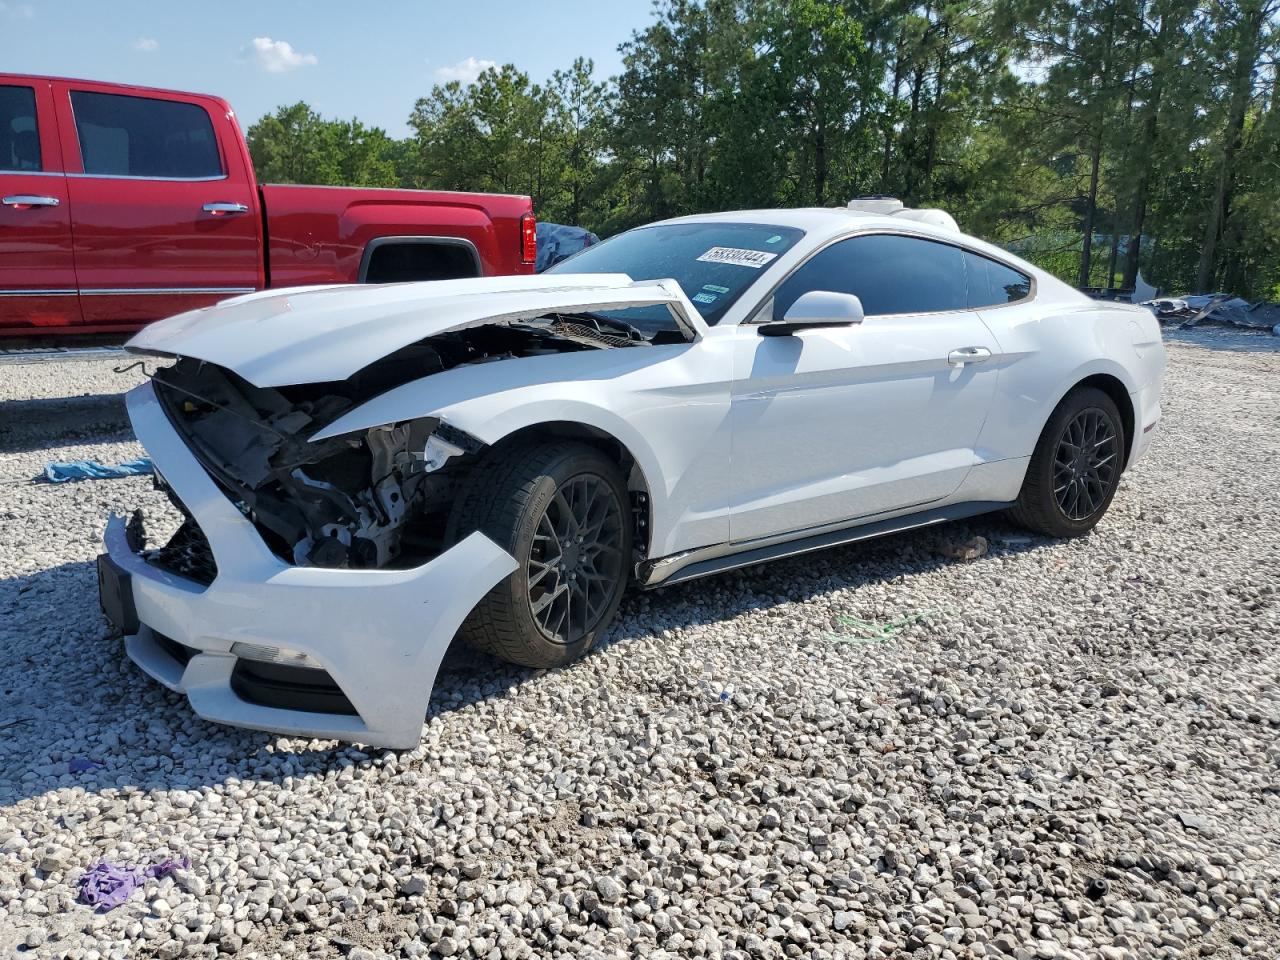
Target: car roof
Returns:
[820, 221]
[821, 224]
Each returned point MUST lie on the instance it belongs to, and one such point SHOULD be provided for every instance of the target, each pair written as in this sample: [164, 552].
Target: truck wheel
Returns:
[1075, 468]
[560, 509]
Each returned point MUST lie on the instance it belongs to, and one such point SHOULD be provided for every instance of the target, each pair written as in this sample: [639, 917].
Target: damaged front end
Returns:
[376, 498]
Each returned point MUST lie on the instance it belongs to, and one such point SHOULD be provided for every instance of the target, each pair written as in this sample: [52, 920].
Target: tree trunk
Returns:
[1090, 211]
[1133, 251]
[909, 152]
[1095, 155]
[819, 158]
[934, 121]
[1241, 88]
[1115, 248]
[1165, 60]
[888, 122]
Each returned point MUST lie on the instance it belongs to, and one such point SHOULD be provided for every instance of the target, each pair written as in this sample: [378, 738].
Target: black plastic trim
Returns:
[179, 651]
[288, 688]
[745, 555]
[377, 242]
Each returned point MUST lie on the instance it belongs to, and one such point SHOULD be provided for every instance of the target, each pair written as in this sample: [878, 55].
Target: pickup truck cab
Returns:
[120, 205]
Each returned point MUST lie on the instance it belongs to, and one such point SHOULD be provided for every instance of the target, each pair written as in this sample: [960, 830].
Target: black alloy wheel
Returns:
[575, 559]
[1075, 468]
[562, 510]
[1085, 464]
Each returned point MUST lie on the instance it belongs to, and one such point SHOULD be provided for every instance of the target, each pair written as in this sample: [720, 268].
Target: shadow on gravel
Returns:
[68, 693]
[27, 425]
[795, 580]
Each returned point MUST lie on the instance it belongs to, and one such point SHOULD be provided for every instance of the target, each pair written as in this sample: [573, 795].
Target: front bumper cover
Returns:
[379, 634]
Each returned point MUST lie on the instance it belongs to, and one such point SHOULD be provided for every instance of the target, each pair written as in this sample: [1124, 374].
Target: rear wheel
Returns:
[1075, 468]
[561, 510]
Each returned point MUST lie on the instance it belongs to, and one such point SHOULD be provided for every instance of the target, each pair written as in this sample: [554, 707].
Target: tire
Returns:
[1045, 504]
[518, 496]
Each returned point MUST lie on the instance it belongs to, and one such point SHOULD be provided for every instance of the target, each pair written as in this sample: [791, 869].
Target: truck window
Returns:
[19, 142]
[124, 136]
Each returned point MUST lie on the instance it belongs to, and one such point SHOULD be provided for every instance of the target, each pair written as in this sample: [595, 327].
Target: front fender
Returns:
[666, 404]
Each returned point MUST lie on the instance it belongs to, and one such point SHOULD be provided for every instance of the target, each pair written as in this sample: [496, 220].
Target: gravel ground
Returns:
[1059, 750]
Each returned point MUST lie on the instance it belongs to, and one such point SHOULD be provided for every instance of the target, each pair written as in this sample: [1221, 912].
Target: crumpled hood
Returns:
[319, 334]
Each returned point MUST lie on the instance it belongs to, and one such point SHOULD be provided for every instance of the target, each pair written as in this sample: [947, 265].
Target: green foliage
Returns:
[295, 145]
[1095, 137]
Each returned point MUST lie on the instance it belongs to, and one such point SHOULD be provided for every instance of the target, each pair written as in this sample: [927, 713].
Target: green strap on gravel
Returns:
[868, 631]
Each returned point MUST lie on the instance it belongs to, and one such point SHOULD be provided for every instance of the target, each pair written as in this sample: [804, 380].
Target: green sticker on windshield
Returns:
[776, 238]
[714, 288]
[704, 298]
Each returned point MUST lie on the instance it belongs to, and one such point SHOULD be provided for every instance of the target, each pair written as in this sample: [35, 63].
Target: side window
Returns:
[19, 141]
[141, 137]
[992, 283]
[888, 273]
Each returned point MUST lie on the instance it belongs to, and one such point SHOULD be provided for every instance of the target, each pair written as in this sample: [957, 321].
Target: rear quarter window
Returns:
[992, 284]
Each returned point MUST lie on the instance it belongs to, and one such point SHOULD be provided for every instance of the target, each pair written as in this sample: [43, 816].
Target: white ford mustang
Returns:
[366, 471]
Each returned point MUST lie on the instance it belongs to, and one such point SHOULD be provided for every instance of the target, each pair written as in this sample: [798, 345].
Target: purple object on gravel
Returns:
[105, 886]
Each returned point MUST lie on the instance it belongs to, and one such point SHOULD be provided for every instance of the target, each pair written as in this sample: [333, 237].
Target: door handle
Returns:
[23, 201]
[958, 358]
[220, 207]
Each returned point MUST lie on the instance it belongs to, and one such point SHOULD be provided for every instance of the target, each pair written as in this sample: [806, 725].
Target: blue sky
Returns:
[370, 60]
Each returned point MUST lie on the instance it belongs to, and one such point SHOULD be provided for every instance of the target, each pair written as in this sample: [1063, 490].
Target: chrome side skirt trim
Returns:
[161, 291]
[128, 291]
[125, 176]
[111, 176]
[721, 557]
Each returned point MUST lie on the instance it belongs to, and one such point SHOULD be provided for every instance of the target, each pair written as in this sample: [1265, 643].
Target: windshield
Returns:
[712, 262]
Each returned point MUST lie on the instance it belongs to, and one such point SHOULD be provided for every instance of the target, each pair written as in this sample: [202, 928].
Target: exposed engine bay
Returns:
[379, 498]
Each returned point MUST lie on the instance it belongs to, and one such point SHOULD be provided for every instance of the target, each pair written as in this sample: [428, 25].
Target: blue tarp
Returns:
[556, 241]
[63, 471]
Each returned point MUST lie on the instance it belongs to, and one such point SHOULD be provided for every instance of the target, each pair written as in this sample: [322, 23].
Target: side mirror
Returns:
[817, 308]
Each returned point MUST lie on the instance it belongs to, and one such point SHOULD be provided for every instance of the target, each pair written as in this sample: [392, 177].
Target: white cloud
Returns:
[278, 56]
[17, 11]
[464, 71]
[146, 44]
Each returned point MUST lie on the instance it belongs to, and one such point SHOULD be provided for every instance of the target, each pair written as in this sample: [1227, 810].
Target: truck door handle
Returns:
[23, 201]
[221, 207]
[958, 358]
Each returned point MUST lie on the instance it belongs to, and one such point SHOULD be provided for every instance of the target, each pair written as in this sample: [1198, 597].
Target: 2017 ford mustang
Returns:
[367, 471]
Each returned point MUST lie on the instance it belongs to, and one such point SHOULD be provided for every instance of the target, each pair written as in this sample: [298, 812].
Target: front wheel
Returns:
[1075, 468]
[561, 509]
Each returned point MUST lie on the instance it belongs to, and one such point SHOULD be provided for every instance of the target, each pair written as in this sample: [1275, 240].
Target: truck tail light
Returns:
[528, 238]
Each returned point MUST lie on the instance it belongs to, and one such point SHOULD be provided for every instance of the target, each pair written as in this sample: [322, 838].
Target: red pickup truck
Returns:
[120, 205]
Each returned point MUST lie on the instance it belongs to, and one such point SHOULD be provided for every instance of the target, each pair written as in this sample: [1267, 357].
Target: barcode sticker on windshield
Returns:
[755, 259]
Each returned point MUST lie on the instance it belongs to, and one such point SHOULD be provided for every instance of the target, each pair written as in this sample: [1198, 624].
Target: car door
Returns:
[834, 424]
[37, 272]
[164, 208]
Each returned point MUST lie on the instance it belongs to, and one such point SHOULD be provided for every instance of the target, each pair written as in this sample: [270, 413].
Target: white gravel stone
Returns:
[731, 774]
